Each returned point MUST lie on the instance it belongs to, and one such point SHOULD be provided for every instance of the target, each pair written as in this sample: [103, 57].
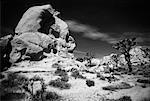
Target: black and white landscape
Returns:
[75, 51]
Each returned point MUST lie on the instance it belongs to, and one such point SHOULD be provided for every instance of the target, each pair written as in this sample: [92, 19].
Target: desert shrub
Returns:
[76, 74]
[41, 95]
[122, 85]
[100, 76]
[51, 96]
[45, 96]
[90, 83]
[65, 78]
[80, 59]
[36, 78]
[124, 98]
[60, 72]
[144, 81]
[58, 83]
[12, 97]
[55, 65]
[14, 80]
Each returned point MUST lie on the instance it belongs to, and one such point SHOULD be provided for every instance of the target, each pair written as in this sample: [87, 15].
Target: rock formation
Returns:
[31, 20]
[35, 34]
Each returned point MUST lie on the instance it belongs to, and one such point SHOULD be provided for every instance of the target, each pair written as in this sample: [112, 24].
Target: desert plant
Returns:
[43, 95]
[14, 83]
[124, 46]
[143, 81]
[76, 74]
[12, 96]
[121, 85]
[59, 84]
[65, 78]
[55, 65]
[80, 59]
[51, 96]
[124, 98]
[60, 72]
[14, 80]
[90, 83]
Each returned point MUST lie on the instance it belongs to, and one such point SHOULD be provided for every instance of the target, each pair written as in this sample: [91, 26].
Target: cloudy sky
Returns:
[95, 24]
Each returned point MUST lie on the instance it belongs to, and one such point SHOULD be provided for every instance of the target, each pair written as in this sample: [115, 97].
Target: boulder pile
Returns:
[39, 31]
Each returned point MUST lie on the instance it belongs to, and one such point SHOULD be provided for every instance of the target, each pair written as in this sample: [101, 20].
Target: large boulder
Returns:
[36, 18]
[30, 43]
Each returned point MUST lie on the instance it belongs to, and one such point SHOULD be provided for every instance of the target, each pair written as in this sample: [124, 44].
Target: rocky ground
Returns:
[136, 87]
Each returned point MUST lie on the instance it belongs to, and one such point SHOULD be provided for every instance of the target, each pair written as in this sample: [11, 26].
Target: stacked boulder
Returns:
[40, 31]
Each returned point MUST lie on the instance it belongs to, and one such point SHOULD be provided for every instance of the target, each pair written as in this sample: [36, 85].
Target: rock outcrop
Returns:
[32, 20]
[36, 33]
[30, 43]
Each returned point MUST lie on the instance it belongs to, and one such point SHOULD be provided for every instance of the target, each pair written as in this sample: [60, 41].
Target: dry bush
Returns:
[58, 83]
[144, 81]
[76, 74]
[46, 96]
[14, 80]
[12, 97]
[90, 83]
[122, 85]
[60, 72]
[124, 98]
[65, 78]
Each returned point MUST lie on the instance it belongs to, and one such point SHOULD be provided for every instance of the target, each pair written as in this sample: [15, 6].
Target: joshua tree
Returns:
[124, 46]
[88, 57]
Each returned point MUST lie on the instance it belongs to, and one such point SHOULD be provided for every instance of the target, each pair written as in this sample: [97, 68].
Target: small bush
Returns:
[51, 96]
[122, 85]
[59, 84]
[12, 97]
[144, 81]
[14, 80]
[60, 72]
[45, 96]
[124, 98]
[65, 78]
[55, 65]
[80, 59]
[76, 74]
[90, 83]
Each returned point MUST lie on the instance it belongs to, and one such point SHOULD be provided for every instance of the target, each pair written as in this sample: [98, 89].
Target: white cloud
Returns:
[94, 33]
[89, 31]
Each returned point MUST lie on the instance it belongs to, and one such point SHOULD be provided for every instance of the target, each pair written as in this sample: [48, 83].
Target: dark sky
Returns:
[95, 24]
